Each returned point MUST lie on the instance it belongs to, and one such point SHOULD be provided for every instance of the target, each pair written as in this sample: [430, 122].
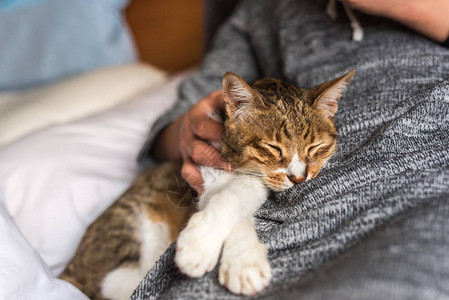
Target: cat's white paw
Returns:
[245, 272]
[197, 248]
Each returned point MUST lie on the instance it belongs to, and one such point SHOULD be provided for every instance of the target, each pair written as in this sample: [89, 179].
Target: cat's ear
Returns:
[237, 94]
[326, 95]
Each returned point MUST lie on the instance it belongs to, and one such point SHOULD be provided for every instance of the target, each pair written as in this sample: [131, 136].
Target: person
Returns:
[359, 229]
[189, 136]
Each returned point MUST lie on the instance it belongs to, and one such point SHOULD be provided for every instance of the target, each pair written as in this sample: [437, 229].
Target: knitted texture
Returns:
[374, 223]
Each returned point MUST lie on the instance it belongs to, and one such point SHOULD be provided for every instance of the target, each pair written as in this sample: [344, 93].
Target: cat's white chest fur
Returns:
[238, 185]
[225, 220]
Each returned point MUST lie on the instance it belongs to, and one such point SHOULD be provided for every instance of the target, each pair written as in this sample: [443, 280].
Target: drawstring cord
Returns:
[357, 29]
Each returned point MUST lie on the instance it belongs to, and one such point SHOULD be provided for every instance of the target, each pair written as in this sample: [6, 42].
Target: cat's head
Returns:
[283, 133]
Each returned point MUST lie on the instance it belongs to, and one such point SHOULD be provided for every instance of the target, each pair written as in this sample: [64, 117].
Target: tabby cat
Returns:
[276, 135]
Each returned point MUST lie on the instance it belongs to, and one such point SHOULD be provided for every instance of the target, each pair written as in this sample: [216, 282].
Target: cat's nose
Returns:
[295, 179]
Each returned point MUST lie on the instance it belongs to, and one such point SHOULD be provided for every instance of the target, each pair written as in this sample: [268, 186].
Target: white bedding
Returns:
[56, 181]
[23, 274]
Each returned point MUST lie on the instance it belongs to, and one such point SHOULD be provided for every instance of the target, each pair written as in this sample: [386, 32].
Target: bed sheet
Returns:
[23, 274]
[55, 182]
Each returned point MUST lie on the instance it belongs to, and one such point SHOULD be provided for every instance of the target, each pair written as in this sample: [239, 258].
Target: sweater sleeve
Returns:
[231, 51]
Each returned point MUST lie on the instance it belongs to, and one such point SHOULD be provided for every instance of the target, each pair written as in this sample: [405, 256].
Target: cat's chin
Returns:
[277, 188]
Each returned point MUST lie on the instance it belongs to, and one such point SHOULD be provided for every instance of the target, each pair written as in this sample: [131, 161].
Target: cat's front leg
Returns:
[227, 200]
[197, 250]
[244, 267]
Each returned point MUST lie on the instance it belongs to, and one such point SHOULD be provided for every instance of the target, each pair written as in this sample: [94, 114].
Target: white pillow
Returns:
[74, 98]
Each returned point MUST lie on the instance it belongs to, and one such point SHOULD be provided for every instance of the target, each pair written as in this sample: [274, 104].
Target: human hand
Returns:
[381, 8]
[197, 132]
[429, 17]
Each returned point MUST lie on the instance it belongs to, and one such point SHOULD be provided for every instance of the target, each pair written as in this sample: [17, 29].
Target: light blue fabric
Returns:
[45, 40]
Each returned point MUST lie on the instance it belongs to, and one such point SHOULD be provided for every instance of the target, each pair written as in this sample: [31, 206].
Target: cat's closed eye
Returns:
[276, 149]
[311, 151]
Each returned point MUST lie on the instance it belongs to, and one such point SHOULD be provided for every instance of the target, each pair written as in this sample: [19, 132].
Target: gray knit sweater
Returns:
[375, 223]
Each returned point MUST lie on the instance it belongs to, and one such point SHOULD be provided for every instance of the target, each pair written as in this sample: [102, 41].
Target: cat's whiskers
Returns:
[241, 171]
[248, 172]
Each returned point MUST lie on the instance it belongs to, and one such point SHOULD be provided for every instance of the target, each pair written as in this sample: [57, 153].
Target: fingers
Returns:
[201, 124]
[216, 100]
[211, 103]
[196, 129]
[206, 129]
[203, 154]
[192, 175]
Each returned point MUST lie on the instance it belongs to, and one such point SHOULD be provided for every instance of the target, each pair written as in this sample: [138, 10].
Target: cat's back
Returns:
[150, 213]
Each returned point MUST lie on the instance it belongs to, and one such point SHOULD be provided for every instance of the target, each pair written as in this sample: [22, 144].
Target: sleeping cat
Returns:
[276, 135]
